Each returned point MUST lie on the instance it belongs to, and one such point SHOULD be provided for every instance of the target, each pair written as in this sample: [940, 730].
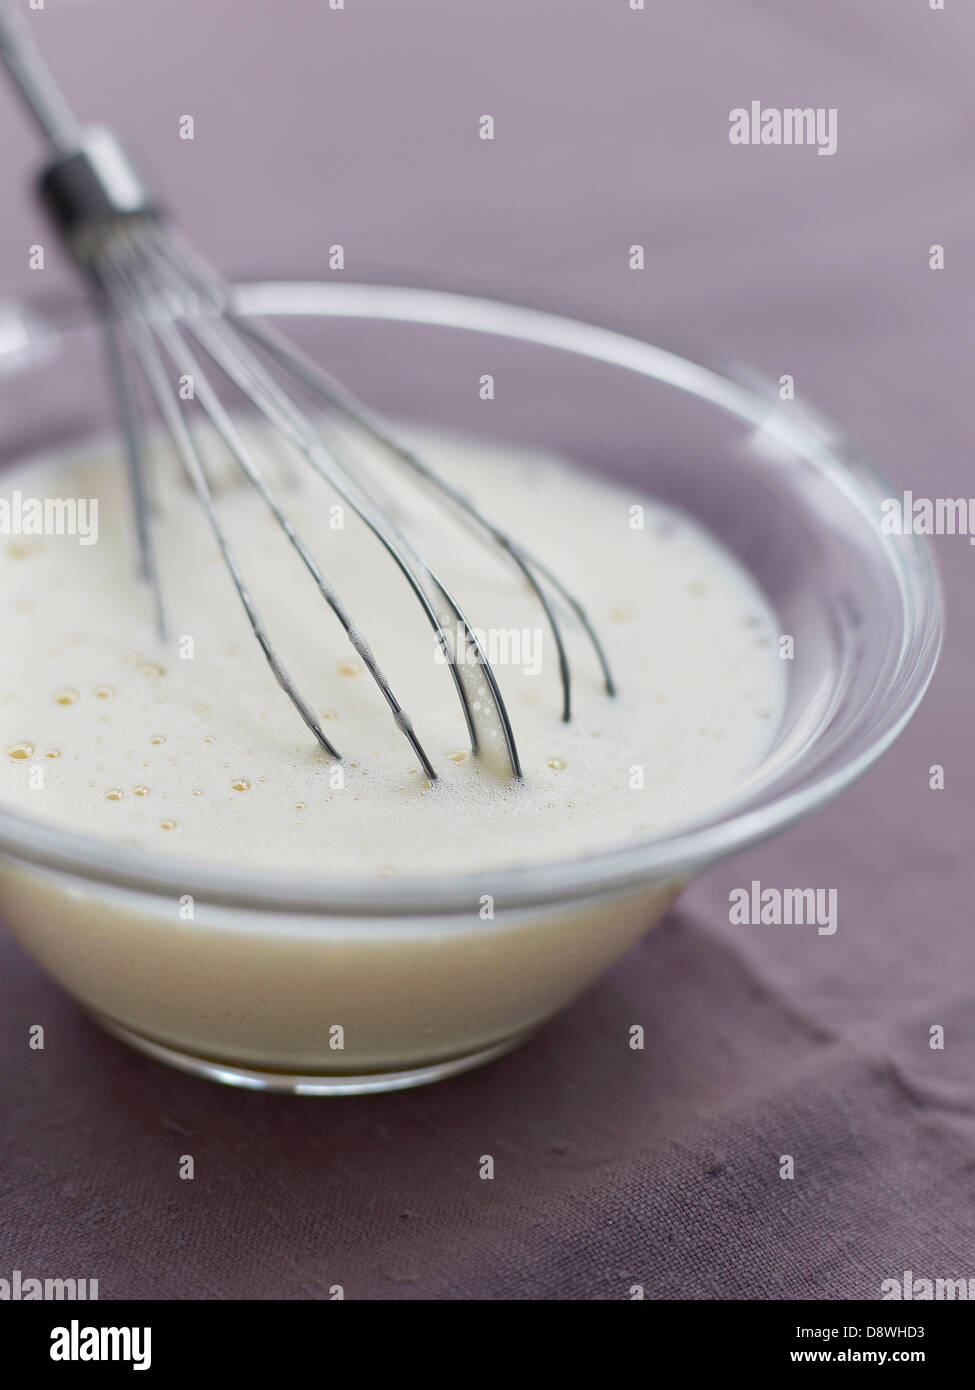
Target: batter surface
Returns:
[191, 749]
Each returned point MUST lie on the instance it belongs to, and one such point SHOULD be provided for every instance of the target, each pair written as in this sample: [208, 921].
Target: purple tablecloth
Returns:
[613, 1168]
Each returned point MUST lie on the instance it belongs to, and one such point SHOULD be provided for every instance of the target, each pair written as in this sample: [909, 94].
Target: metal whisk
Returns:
[162, 308]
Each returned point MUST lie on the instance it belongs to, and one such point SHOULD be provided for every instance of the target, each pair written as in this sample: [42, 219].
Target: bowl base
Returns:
[300, 1084]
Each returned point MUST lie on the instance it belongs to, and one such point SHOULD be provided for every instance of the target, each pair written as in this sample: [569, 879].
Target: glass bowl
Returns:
[299, 983]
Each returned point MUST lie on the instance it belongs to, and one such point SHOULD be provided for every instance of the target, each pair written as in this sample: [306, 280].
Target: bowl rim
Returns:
[672, 855]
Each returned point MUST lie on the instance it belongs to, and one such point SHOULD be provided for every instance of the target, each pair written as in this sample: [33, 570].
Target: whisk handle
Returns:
[36, 83]
[90, 181]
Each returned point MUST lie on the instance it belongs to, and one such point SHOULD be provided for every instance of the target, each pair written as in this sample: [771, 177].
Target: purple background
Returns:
[657, 1167]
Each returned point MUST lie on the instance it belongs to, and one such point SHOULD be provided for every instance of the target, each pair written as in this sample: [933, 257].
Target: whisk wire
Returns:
[321, 383]
[186, 363]
[127, 406]
[329, 389]
[140, 331]
[474, 678]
